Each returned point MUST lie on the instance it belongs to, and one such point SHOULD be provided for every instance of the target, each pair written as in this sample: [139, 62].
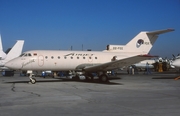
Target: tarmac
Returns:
[157, 94]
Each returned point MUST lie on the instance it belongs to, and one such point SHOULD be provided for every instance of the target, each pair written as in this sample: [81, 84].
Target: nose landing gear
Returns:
[32, 80]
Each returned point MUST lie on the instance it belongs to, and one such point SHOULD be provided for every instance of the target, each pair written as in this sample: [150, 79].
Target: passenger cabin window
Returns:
[46, 57]
[95, 57]
[77, 57]
[65, 57]
[84, 58]
[52, 57]
[58, 57]
[71, 57]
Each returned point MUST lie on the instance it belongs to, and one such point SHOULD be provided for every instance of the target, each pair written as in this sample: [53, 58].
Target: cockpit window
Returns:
[25, 54]
[29, 54]
[22, 54]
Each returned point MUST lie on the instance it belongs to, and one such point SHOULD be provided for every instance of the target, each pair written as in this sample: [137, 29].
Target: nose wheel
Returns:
[32, 80]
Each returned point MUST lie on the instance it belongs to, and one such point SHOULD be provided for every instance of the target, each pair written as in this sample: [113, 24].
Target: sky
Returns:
[93, 24]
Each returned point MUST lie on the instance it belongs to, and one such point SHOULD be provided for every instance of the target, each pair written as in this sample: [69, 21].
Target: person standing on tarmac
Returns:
[147, 68]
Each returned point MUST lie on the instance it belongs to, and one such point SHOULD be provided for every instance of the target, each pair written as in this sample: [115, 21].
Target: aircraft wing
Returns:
[118, 63]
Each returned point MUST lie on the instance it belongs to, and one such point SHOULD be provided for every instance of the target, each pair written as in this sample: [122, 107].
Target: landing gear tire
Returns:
[33, 80]
[104, 78]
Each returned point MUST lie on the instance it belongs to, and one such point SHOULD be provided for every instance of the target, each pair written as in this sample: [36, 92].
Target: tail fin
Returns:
[144, 41]
[140, 44]
[2, 54]
[16, 50]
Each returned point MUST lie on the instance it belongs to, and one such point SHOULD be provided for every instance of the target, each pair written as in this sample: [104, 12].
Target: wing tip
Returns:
[147, 55]
[171, 29]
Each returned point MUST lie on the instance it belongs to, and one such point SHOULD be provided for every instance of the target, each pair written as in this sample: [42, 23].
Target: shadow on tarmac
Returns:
[70, 80]
[163, 77]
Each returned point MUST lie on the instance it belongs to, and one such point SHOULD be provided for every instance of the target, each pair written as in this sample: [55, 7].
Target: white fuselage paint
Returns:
[64, 60]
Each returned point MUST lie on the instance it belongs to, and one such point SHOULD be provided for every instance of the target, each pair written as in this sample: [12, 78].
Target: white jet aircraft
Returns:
[15, 51]
[88, 62]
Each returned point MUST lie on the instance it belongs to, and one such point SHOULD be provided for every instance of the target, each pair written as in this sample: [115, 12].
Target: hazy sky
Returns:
[60, 24]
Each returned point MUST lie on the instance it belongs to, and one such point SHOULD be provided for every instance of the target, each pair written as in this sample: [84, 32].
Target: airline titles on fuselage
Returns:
[74, 54]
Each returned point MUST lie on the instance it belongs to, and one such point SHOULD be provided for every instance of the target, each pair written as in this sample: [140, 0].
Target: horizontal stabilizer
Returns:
[160, 31]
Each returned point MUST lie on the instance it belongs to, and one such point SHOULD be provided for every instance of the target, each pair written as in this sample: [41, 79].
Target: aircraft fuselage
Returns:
[63, 60]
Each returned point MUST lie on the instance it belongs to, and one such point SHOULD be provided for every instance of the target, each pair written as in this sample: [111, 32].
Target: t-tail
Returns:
[15, 51]
[140, 44]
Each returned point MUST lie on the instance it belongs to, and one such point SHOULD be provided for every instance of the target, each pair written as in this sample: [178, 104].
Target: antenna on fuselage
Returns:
[71, 48]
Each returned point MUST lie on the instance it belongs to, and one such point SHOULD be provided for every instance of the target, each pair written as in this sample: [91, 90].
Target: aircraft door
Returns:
[40, 60]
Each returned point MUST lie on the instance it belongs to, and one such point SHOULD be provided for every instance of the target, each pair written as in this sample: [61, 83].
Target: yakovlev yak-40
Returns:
[88, 62]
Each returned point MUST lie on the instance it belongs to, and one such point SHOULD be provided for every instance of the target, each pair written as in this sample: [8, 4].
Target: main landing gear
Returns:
[103, 78]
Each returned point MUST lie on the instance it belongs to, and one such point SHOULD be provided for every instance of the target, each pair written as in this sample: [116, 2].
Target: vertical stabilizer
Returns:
[144, 41]
[1, 48]
[15, 51]
[2, 54]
